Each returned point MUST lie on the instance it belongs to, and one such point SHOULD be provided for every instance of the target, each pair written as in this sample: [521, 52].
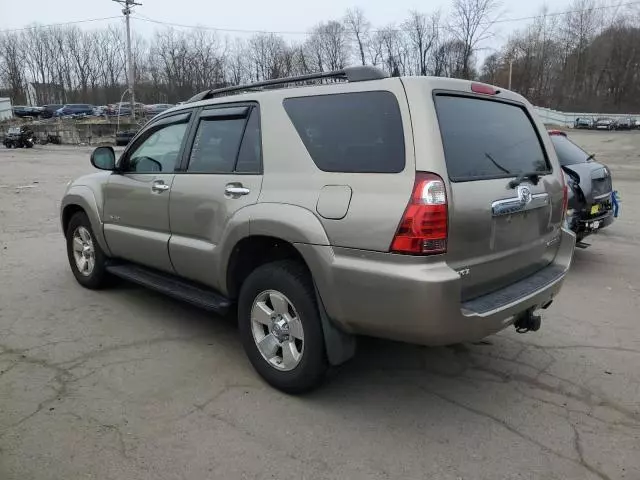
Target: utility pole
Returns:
[510, 71]
[126, 11]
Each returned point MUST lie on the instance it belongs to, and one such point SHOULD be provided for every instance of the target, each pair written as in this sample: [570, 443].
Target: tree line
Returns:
[586, 59]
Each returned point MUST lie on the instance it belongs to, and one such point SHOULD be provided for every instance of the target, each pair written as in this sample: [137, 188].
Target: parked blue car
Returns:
[75, 109]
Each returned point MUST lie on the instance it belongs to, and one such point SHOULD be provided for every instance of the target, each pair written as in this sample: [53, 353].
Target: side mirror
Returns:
[104, 158]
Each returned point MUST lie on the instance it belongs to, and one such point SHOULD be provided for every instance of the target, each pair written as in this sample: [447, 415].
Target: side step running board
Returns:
[171, 286]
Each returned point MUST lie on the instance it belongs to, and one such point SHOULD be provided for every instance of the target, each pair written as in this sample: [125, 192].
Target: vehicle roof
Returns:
[434, 83]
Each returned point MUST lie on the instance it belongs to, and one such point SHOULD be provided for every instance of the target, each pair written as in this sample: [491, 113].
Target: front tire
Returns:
[86, 258]
[280, 327]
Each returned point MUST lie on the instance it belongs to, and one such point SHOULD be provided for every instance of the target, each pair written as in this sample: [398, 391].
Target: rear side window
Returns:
[485, 139]
[215, 147]
[226, 144]
[350, 132]
[250, 155]
[568, 152]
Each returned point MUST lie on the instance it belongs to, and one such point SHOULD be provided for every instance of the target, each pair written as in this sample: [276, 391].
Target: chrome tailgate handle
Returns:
[523, 202]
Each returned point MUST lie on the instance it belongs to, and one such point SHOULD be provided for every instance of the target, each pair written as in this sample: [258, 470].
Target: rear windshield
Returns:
[486, 139]
[568, 152]
[350, 132]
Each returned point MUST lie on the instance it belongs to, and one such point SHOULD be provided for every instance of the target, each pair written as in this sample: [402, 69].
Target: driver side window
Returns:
[159, 151]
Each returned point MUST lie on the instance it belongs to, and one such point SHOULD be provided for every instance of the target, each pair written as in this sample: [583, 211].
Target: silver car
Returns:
[425, 210]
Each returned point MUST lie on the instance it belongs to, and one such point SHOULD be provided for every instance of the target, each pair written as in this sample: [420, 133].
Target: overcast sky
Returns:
[271, 15]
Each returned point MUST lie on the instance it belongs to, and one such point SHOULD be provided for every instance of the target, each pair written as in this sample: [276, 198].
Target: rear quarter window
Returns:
[486, 139]
[568, 152]
[350, 132]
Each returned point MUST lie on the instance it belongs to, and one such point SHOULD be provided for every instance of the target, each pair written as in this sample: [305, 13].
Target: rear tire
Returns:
[86, 258]
[280, 327]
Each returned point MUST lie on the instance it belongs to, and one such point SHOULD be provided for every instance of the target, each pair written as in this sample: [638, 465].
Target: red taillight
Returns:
[484, 89]
[423, 229]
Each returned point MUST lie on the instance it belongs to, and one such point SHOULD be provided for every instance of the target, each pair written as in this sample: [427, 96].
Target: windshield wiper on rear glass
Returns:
[486, 154]
[533, 177]
[591, 157]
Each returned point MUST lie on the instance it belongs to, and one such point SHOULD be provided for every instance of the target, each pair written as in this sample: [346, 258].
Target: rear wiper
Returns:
[533, 177]
[486, 154]
[591, 157]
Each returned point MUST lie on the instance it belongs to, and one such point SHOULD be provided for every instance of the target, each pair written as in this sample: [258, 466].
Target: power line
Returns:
[52, 25]
[217, 29]
[144, 18]
[569, 12]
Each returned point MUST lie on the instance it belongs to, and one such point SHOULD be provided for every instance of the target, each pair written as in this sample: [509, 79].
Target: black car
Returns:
[583, 122]
[123, 137]
[591, 196]
[19, 137]
[49, 111]
[26, 111]
[605, 123]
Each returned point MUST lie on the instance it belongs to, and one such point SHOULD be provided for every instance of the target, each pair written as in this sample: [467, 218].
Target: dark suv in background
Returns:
[626, 123]
[75, 109]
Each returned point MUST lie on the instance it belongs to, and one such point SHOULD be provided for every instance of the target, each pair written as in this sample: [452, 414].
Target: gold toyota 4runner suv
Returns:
[326, 206]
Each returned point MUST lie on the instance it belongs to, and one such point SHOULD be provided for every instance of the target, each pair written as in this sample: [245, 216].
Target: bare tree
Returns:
[328, 47]
[422, 32]
[11, 67]
[586, 59]
[267, 53]
[236, 61]
[358, 27]
[471, 23]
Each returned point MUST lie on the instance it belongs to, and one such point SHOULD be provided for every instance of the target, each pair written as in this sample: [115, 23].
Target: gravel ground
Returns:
[125, 384]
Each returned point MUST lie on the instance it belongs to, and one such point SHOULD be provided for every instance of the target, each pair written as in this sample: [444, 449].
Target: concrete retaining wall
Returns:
[75, 132]
[568, 119]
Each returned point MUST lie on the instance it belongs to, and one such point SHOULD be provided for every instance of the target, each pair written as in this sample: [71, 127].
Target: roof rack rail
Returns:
[350, 74]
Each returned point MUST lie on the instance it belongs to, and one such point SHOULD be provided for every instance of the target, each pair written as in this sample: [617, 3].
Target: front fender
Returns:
[84, 197]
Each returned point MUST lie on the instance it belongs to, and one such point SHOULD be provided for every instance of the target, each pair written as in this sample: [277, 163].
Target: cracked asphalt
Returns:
[126, 384]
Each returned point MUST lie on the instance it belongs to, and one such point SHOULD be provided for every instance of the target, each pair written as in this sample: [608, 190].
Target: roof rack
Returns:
[350, 74]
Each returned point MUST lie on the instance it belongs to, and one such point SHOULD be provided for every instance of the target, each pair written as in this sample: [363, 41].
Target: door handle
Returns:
[236, 190]
[159, 187]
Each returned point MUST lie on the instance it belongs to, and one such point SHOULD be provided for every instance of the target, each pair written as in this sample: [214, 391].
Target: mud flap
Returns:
[340, 346]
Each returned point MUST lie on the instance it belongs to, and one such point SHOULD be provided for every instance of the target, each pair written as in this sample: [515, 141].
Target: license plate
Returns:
[595, 209]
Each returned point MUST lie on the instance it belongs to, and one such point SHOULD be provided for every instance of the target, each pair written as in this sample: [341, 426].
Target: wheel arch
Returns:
[281, 231]
[80, 198]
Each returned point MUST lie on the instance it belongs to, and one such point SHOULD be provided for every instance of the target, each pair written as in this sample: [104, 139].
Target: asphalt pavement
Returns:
[125, 384]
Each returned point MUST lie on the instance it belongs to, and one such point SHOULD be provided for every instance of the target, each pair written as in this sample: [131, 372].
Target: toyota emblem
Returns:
[524, 194]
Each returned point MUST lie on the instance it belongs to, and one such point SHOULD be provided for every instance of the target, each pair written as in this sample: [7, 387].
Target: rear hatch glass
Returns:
[487, 139]
[499, 232]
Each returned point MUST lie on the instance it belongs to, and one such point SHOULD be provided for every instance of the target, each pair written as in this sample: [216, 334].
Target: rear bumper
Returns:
[585, 224]
[418, 300]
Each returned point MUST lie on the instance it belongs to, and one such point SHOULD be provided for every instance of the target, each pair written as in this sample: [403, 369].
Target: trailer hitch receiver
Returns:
[528, 321]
